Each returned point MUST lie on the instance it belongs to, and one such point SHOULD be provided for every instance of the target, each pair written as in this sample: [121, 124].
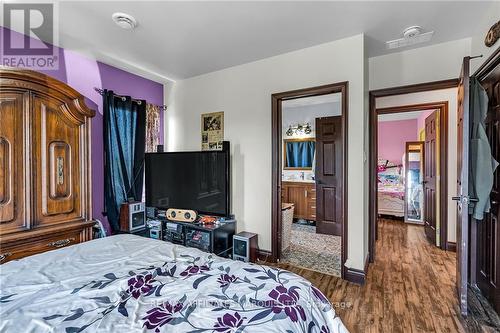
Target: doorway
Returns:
[485, 234]
[442, 163]
[309, 172]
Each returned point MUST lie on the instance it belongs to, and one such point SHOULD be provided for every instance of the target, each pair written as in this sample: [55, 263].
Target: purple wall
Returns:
[392, 138]
[83, 74]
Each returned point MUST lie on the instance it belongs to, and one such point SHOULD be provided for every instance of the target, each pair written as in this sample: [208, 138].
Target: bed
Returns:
[127, 283]
[391, 201]
[391, 191]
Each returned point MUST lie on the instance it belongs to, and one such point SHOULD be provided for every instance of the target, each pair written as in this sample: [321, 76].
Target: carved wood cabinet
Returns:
[45, 187]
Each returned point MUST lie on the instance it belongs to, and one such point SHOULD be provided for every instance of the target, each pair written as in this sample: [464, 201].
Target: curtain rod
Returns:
[101, 92]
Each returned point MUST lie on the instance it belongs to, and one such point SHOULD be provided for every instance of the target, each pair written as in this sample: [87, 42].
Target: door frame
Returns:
[373, 148]
[276, 125]
[407, 163]
[484, 70]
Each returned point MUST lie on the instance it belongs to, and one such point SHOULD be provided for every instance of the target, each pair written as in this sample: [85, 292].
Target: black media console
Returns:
[195, 180]
[214, 238]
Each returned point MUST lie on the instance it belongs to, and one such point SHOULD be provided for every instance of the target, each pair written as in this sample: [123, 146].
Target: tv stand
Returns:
[212, 238]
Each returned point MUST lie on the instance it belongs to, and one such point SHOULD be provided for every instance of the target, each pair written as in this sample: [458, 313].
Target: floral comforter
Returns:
[127, 283]
[393, 191]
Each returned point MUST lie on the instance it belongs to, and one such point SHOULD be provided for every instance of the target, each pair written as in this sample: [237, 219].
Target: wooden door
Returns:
[462, 197]
[430, 177]
[57, 163]
[329, 176]
[13, 215]
[488, 230]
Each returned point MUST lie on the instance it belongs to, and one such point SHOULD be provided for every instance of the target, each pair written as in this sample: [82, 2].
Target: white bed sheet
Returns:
[127, 283]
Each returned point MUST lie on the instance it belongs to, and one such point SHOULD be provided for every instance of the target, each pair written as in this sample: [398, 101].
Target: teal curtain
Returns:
[300, 154]
[124, 144]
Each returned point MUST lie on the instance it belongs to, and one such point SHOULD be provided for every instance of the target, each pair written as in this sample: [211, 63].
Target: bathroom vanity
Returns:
[302, 193]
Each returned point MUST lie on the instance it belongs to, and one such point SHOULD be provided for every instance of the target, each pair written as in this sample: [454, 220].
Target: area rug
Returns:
[317, 252]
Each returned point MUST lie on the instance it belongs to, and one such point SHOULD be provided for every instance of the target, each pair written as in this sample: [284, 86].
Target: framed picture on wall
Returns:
[212, 130]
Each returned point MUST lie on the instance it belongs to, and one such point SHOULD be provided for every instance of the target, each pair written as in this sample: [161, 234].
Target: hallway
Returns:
[410, 287]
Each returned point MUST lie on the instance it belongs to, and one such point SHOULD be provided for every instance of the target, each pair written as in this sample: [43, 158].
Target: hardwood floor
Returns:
[409, 288]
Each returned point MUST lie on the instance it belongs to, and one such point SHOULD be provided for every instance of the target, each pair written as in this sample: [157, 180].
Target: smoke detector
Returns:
[412, 32]
[124, 21]
[411, 36]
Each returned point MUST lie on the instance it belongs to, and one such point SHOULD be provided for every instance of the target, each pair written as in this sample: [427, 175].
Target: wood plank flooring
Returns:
[410, 287]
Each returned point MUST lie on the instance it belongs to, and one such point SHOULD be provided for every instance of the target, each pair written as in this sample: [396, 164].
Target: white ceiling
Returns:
[183, 39]
[313, 100]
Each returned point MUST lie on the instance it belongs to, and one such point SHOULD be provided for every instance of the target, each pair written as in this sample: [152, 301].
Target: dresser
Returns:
[303, 196]
[45, 179]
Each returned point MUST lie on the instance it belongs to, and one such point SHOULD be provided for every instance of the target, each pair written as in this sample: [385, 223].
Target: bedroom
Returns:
[414, 166]
[234, 64]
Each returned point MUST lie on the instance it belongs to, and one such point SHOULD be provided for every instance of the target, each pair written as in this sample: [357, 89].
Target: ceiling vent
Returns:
[411, 36]
[124, 21]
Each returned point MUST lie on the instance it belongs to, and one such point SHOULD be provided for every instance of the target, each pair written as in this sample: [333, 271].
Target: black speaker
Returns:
[159, 149]
[245, 246]
[225, 145]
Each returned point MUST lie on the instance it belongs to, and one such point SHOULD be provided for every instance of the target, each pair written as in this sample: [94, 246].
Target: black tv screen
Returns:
[189, 180]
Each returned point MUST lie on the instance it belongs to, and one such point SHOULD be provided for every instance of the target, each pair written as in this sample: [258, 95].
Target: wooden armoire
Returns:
[45, 166]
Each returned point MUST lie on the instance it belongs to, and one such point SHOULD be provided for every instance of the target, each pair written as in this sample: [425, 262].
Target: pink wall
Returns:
[392, 138]
[421, 121]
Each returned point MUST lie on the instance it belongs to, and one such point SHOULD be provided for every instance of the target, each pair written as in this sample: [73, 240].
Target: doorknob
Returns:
[464, 199]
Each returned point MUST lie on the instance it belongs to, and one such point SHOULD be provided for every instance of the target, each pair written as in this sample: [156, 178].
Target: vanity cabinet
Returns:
[303, 196]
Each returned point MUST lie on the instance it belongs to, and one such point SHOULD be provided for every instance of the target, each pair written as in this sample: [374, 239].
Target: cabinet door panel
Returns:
[12, 167]
[57, 163]
[311, 202]
[284, 193]
[297, 196]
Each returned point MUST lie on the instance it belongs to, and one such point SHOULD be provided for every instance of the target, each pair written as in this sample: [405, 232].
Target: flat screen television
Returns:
[189, 180]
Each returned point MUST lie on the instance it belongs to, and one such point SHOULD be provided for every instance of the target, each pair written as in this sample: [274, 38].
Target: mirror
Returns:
[413, 180]
[299, 154]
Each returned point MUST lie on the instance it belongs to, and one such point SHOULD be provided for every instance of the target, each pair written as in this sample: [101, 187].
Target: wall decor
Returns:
[493, 35]
[299, 129]
[212, 130]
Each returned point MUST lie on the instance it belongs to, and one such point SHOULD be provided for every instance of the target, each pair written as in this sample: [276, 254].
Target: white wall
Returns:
[477, 45]
[449, 95]
[244, 94]
[431, 63]
[167, 100]
[366, 144]
[435, 62]
[309, 113]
